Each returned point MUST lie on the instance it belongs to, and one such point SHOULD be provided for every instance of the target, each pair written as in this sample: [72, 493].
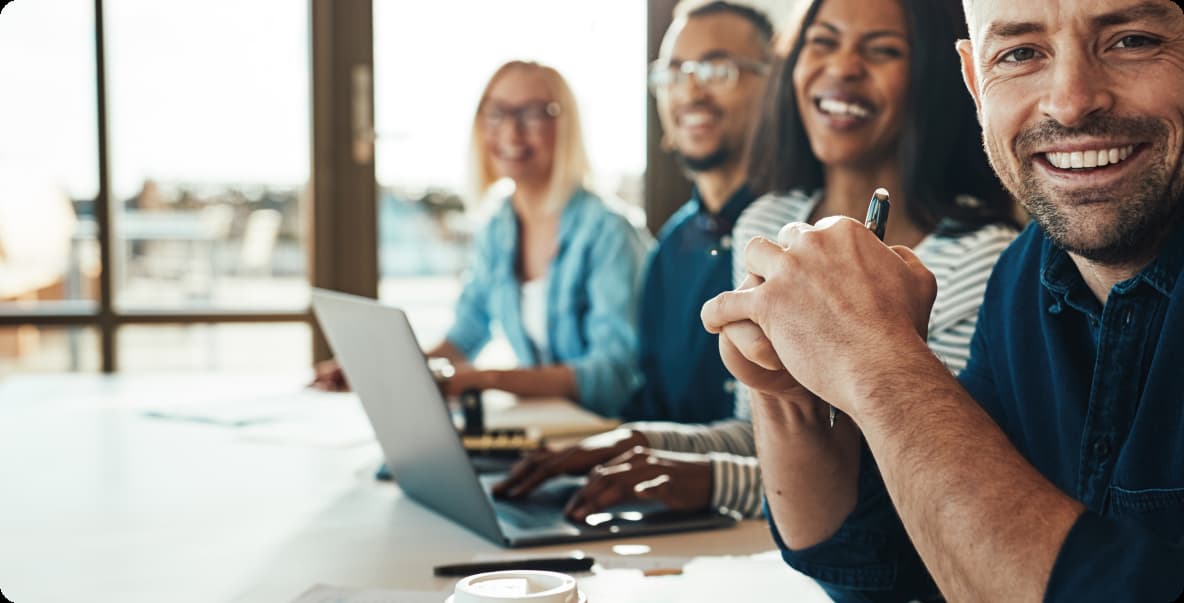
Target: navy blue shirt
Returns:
[1093, 397]
[684, 378]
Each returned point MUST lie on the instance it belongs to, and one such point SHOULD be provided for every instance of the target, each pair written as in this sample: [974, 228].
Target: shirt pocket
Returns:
[1131, 501]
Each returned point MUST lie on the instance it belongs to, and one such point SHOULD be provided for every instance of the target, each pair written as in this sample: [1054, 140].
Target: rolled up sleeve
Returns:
[870, 558]
[470, 329]
[1117, 560]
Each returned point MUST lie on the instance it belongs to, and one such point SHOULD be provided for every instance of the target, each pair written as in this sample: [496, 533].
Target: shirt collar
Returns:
[1061, 277]
[569, 220]
[1163, 272]
[723, 222]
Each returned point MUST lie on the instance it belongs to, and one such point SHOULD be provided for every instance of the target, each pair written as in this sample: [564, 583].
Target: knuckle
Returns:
[789, 260]
[752, 243]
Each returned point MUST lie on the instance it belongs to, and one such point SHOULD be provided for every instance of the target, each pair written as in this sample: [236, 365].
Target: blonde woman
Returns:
[555, 267]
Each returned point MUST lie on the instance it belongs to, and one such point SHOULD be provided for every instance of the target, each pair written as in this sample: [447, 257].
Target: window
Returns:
[163, 154]
[48, 155]
[431, 62]
[209, 144]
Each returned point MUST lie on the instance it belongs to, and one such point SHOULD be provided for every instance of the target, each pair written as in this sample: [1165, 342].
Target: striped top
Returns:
[961, 262]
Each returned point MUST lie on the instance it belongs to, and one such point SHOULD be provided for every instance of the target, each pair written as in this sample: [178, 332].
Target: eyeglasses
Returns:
[720, 73]
[533, 116]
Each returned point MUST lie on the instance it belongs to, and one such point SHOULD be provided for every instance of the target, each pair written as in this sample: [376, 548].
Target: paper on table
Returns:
[706, 579]
[322, 593]
[240, 412]
[335, 424]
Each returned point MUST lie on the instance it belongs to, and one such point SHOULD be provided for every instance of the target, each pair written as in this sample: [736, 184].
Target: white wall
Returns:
[778, 10]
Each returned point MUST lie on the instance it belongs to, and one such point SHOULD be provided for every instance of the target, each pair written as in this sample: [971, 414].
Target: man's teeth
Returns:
[1083, 160]
[838, 107]
[692, 120]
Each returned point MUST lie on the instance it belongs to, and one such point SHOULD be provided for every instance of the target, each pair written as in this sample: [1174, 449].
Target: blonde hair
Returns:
[570, 164]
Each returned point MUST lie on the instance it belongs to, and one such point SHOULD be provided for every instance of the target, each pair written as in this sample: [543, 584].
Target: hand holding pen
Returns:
[809, 301]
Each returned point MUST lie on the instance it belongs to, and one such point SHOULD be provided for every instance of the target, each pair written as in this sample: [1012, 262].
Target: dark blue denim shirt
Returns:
[684, 378]
[1093, 396]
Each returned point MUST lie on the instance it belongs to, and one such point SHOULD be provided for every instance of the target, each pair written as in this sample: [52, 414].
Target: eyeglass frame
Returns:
[686, 69]
[550, 111]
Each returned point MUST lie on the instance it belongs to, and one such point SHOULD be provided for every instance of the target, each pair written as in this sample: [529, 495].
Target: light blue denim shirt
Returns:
[593, 288]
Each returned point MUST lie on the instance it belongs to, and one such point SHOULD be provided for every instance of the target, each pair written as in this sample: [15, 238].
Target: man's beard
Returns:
[1148, 205]
[704, 163]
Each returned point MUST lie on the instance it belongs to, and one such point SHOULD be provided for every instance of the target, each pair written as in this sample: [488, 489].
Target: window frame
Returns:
[343, 221]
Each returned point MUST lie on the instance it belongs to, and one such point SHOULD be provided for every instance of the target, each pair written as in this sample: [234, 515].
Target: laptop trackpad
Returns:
[545, 506]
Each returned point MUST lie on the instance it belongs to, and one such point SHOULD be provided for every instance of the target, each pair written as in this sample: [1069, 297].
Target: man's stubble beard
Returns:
[1150, 210]
[704, 163]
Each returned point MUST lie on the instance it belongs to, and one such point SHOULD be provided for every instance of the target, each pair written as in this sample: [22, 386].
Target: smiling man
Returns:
[1053, 468]
[708, 83]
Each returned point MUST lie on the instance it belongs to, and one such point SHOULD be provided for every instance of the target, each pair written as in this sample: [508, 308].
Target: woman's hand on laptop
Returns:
[329, 377]
[680, 481]
[538, 467]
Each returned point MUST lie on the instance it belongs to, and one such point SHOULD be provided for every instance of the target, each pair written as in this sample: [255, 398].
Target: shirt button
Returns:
[1101, 448]
[726, 242]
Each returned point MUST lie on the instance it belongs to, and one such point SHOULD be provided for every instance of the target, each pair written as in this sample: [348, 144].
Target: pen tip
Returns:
[881, 194]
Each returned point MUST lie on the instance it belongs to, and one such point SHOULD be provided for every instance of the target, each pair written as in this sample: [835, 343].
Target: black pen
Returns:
[876, 221]
[551, 564]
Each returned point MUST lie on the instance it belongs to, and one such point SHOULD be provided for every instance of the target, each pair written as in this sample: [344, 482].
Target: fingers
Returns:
[726, 308]
[791, 232]
[531, 471]
[908, 256]
[329, 377]
[762, 257]
[657, 489]
[750, 282]
[513, 479]
[607, 486]
[925, 288]
[750, 341]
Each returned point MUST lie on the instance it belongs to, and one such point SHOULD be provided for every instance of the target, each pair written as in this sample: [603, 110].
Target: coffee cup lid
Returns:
[517, 587]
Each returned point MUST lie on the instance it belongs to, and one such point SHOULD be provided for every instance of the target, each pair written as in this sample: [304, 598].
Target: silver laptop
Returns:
[386, 367]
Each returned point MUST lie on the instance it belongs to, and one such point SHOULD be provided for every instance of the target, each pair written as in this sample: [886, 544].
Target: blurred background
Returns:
[175, 176]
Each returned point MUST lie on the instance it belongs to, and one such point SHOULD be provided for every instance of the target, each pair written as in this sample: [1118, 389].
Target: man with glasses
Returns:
[708, 83]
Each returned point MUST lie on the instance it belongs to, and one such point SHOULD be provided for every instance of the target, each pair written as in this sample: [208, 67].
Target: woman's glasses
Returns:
[720, 73]
[532, 117]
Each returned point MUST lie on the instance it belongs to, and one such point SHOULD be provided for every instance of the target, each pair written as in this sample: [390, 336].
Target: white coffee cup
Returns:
[517, 587]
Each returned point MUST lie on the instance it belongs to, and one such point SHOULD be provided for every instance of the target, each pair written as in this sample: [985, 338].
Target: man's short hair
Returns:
[759, 20]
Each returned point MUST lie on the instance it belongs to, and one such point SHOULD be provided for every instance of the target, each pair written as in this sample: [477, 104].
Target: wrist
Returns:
[633, 439]
[791, 413]
[484, 379]
[880, 385]
[637, 438]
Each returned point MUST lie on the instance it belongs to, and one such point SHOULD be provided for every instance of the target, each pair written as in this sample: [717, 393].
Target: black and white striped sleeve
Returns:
[732, 436]
[962, 265]
[731, 450]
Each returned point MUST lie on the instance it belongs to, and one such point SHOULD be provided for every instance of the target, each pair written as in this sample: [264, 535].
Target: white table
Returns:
[101, 502]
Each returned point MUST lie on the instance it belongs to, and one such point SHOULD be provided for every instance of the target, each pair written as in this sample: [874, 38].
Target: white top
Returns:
[534, 317]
